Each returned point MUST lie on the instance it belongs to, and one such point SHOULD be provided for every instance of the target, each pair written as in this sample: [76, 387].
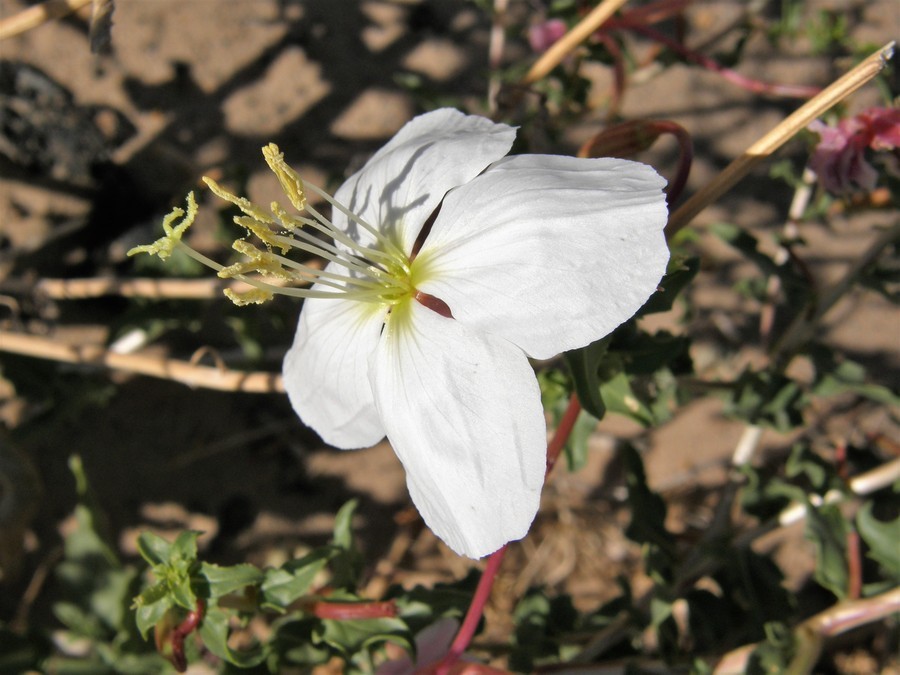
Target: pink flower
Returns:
[839, 159]
[542, 35]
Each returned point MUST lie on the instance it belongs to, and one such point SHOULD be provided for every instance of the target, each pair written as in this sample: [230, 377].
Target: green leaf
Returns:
[293, 642]
[350, 637]
[146, 616]
[153, 548]
[576, 447]
[343, 525]
[768, 399]
[221, 581]
[619, 397]
[541, 626]
[680, 272]
[827, 529]
[775, 653]
[346, 563]
[185, 545]
[283, 586]
[214, 633]
[765, 496]
[584, 365]
[839, 376]
[821, 474]
[882, 538]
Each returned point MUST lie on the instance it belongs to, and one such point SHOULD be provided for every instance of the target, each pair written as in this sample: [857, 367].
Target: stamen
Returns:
[289, 179]
[394, 250]
[380, 275]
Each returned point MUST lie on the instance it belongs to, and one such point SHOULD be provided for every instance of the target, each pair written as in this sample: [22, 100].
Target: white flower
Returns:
[457, 265]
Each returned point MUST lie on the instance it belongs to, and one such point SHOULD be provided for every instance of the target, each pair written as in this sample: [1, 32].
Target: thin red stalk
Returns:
[486, 582]
[348, 611]
[748, 83]
[473, 615]
[566, 424]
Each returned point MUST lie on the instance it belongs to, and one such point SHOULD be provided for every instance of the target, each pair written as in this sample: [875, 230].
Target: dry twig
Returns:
[579, 33]
[38, 15]
[143, 364]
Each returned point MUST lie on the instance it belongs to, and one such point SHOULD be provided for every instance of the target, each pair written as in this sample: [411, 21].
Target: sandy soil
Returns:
[197, 86]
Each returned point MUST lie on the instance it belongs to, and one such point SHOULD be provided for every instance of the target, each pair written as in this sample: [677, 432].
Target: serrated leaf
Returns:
[882, 538]
[147, 616]
[153, 548]
[283, 586]
[221, 581]
[827, 529]
[584, 366]
[185, 545]
[350, 637]
[214, 633]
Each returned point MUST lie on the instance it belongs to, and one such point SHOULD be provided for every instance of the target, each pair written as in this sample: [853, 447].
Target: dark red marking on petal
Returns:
[434, 304]
[426, 228]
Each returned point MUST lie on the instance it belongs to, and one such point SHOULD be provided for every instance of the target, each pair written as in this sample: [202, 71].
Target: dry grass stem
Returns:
[38, 15]
[778, 136]
[581, 32]
[205, 377]
[184, 289]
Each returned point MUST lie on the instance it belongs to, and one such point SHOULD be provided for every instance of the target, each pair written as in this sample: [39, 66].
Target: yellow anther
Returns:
[262, 232]
[164, 246]
[255, 296]
[261, 262]
[290, 181]
[242, 203]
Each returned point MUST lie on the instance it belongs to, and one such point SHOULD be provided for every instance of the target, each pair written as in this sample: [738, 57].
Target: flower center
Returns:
[378, 272]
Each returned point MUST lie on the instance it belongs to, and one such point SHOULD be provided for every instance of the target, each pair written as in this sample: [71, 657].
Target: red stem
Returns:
[566, 424]
[750, 84]
[473, 615]
[486, 582]
[185, 628]
[348, 611]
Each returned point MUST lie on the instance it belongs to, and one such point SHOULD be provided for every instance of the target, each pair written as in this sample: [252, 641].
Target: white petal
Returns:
[464, 415]
[326, 370]
[549, 252]
[404, 181]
